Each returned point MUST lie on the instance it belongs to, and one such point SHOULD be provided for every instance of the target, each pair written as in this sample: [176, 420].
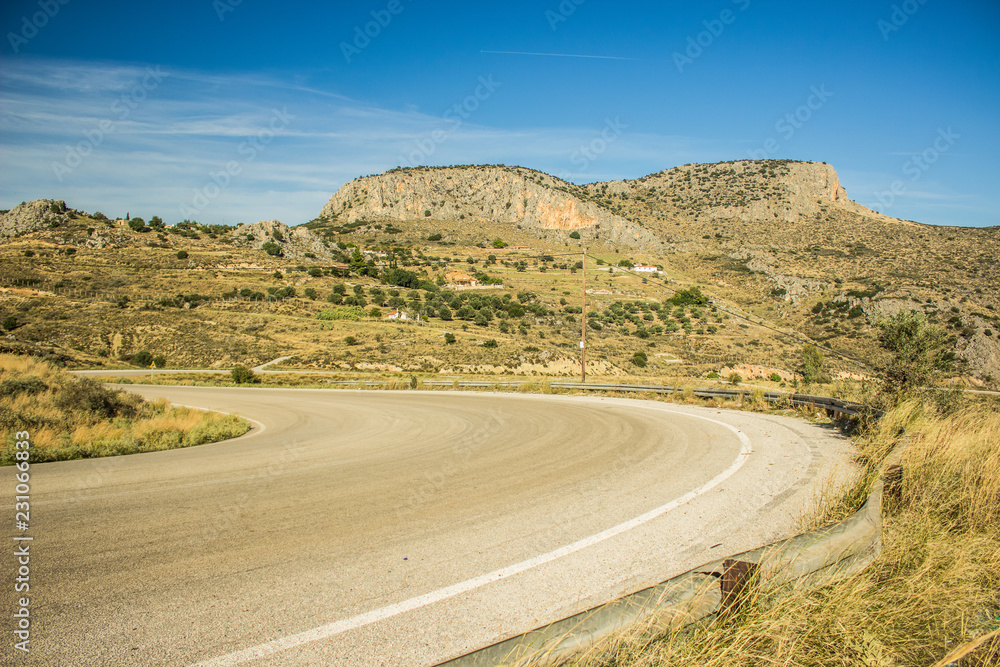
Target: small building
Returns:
[461, 279]
[642, 268]
[403, 316]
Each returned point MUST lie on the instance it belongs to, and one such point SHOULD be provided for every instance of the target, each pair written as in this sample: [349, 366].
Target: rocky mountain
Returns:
[498, 194]
[33, 216]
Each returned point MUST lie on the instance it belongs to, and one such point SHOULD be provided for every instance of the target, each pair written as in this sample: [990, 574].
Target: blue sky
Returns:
[244, 110]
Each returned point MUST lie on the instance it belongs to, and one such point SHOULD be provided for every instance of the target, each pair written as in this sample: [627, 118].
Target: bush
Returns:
[86, 395]
[160, 361]
[142, 359]
[713, 376]
[574, 235]
[272, 249]
[735, 378]
[182, 254]
[9, 323]
[491, 343]
[352, 313]
[29, 384]
[434, 237]
[315, 272]
[775, 377]
[243, 375]
[640, 359]
[351, 340]
[449, 338]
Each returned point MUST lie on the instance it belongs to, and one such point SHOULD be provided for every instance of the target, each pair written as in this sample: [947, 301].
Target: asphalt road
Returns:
[392, 528]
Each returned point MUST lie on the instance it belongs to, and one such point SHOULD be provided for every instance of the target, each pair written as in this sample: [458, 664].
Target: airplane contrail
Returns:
[557, 55]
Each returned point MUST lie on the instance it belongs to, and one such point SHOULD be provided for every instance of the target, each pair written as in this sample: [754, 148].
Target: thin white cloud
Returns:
[154, 159]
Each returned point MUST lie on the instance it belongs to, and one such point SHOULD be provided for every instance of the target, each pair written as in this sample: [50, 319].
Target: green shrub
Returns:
[182, 254]
[142, 359]
[351, 340]
[352, 313]
[449, 338]
[243, 375]
[735, 378]
[272, 249]
[574, 235]
[491, 343]
[640, 359]
[86, 395]
[29, 384]
[9, 323]
[775, 377]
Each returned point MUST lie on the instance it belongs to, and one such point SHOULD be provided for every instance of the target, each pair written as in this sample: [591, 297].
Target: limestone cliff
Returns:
[495, 193]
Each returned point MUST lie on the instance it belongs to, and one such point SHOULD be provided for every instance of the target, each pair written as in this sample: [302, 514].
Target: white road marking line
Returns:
[367, 618]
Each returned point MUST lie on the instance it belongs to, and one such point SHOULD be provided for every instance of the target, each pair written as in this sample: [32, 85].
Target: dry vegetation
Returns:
[934, 589]
[73, 418]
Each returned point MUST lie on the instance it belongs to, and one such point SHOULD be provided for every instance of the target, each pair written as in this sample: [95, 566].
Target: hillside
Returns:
[784, 253]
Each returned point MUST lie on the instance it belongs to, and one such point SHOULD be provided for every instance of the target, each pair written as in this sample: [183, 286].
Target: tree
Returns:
[272, 249]
[449, 338]
[182, 254]
[916, 351]
[137, 224]
[142, 359]
[812, 365]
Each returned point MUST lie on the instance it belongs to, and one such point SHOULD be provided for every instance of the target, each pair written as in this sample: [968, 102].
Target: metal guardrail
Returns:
[832, 406]
[815, 558]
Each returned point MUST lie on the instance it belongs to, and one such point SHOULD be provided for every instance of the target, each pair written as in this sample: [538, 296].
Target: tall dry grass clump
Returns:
[934, 589]
[72, 417]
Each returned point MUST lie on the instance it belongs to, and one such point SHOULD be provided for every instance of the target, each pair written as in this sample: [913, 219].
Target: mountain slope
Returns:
[508, 195]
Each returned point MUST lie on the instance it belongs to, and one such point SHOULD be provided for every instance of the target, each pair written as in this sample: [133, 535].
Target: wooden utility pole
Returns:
[583, 339]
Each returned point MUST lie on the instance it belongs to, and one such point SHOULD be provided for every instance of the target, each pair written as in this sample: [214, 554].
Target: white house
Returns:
[642, 268]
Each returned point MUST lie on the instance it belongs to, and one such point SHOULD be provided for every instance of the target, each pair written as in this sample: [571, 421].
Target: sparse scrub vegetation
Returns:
[72, 417]
[933, 588]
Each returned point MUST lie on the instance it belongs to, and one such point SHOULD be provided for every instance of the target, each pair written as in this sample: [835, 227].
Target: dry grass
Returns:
[72, 418]
[934, 589]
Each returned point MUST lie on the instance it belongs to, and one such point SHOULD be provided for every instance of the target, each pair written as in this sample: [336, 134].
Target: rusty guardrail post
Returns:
[735, 582]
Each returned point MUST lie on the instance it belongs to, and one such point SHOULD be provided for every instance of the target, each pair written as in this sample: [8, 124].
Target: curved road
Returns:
[394, 528]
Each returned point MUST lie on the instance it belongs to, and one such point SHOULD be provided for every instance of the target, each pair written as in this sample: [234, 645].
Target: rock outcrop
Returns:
[33, 216]
[751, 190]
[495, 193]
[295, 243]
